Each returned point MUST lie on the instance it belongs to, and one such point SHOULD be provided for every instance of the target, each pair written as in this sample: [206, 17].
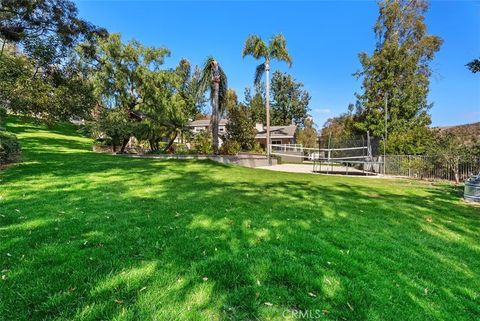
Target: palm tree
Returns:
[214, 78]
[258, 49]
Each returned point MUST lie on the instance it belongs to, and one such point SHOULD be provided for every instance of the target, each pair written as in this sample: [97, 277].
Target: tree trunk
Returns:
[170, 143]
[214, 120]
[267, 107]
[153, 147]
[3, 47]
[124, 144]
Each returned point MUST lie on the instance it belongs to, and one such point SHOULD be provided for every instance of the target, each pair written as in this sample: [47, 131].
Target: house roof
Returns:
[278, 132]
[206, 122]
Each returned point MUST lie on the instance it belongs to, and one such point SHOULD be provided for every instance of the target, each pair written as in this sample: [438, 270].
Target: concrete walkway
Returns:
[308, 168]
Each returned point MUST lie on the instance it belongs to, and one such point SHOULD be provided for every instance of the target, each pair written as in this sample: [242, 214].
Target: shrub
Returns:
[202, 142]
[9, 147]
[180, 149]
[230, 147]
[3, 115]
[257, 149]
[417, 166]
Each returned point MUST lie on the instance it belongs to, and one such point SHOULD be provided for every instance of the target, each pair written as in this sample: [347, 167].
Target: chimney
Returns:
[259, 127]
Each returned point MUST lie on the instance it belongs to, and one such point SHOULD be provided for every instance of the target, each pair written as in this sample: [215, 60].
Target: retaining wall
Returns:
[245, 160]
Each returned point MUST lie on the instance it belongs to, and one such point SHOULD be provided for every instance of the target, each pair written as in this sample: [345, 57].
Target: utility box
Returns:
[472, 189]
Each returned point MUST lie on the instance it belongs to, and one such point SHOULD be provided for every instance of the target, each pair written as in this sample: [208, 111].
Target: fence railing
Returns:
[452, 168]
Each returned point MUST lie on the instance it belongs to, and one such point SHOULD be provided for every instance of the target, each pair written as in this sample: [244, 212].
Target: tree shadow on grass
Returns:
[196, 227]
[88, 237]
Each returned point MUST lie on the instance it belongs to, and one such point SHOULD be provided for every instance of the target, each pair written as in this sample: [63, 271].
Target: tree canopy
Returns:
[290, 102]
[396, 76]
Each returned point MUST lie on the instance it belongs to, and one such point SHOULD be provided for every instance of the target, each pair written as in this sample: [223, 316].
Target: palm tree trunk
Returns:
[267, 107]
[214, 121]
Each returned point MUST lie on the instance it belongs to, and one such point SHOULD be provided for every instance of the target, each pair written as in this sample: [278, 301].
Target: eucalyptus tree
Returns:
[215, 80]
[258, 49]
[396, 76]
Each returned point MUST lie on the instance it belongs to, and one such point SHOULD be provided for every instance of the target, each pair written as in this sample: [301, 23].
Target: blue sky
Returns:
[324, 38]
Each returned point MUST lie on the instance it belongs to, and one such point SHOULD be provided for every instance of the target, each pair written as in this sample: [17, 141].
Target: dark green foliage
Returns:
[57, 94]
[256, 103]
[414, 141]
[3, 116]
[307, 136]
[114, 124]
[474, 65]
[230, 147]
[276, 49]
[39, 74]
[398, 71]
[202, 143]
[240, 127]
[46, 29]
[289, 100]
[342, 126]
[189, 88]
[9, 147]
[148, 102]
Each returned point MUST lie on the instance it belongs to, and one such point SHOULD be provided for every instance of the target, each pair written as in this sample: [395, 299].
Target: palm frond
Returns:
[278, 49]
[207, 74]
[255, 46]
[212, 69]
[223, 90]
[259, 74]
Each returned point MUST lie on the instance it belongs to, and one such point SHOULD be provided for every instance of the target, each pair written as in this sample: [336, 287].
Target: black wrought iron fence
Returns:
[452, 168]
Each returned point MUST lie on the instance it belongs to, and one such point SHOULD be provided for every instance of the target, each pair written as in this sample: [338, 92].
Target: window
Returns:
[276, 142]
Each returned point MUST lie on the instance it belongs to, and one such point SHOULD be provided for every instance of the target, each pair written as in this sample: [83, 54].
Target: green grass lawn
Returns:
[87, 236]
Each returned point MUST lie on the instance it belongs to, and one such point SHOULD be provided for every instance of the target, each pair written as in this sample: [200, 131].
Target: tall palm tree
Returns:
[214, 78]
[258, 49]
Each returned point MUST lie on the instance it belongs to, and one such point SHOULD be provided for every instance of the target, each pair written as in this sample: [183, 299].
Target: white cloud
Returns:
[322, 110]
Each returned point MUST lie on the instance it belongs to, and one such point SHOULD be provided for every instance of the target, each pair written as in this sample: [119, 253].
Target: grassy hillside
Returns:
[86, 236]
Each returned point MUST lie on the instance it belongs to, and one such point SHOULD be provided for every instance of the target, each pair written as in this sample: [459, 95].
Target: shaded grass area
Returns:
[86, 236]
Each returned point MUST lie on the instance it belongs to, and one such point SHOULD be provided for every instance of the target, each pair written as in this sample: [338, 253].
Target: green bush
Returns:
[9, 147]
[180, 149]
[230, 147]
[202, 143]
[257, 149]
[416, 166]
[3, 115]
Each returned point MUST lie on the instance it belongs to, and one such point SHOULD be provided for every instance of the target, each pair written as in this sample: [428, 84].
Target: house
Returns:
[278, 134]
[200, 125]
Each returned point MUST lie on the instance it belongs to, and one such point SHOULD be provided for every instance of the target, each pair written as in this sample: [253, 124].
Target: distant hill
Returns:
[466, 130]
[466, 133]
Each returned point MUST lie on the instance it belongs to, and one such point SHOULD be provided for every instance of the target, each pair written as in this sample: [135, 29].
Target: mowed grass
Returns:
[87, 236]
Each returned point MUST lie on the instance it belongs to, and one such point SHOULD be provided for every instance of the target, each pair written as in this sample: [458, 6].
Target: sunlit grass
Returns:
[86, 236]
